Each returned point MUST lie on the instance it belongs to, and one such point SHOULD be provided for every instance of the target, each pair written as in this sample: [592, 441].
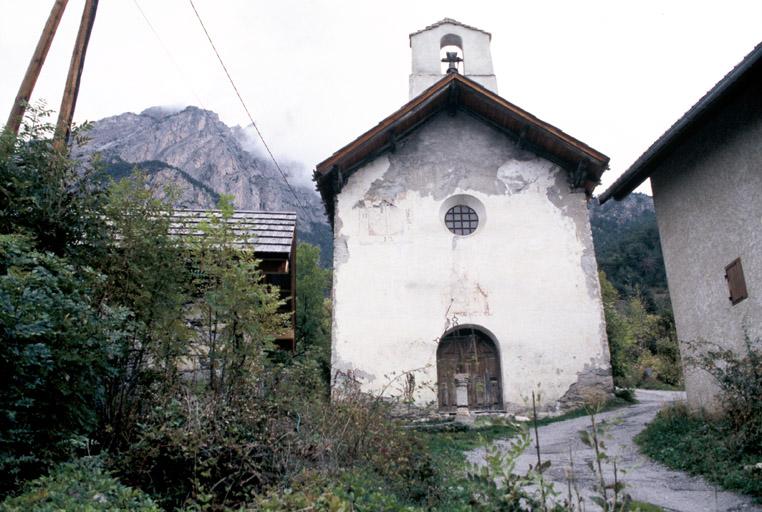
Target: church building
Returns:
[462, 244]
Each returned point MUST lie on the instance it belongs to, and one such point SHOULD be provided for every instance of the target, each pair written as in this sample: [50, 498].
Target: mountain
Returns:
[628, 249]
[202, 158]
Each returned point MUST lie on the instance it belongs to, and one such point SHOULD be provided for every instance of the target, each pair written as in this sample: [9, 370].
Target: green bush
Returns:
[79, 485]
[700, 446]
[54, 358]
[643, 344]
[198, 449]
[48, 196]
[740, 381]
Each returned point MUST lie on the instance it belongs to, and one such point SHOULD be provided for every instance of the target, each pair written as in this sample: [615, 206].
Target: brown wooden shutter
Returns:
[736, 281]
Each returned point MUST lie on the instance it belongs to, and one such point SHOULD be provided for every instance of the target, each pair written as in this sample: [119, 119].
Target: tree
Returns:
[55, 356]
[48, 196]
[147, 274]
[313, 316]
[643, 345]
[236, 313]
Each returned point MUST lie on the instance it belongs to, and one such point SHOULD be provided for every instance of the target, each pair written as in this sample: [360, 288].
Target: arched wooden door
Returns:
[468, 350]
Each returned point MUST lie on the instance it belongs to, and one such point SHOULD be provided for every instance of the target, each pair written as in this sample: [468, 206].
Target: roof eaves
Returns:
[451, 21]
[640, 170]
[331, 173]
[419, 101]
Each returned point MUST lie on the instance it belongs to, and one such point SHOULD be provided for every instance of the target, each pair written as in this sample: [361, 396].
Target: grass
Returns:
[658, 385]
[642, 506]
[460, 438]
[448, 442]
[610, 405]
[700, 447]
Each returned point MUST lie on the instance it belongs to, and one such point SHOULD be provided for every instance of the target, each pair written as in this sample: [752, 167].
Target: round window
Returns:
[461, 219]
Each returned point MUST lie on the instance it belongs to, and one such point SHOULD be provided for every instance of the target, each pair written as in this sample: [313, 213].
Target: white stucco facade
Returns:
[528, 276]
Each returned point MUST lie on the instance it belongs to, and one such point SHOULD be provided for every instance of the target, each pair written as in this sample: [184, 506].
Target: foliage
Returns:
[82, 484]
[701, 446]
[195, 449]
[643, 345]
[200, 450]
[740, 380]
[501, 488]
[47, 196]
[610, 496]
[56, 351]
[313, 318]
[235, 316]
[147, 274]
[628, 250]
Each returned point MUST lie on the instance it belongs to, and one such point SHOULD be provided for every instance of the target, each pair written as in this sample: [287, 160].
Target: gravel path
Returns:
[646, 480]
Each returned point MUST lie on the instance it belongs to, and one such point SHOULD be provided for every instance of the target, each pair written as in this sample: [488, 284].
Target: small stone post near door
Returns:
[462, 414]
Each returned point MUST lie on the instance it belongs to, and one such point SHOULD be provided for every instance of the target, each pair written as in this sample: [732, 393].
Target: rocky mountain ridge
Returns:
[202, 158]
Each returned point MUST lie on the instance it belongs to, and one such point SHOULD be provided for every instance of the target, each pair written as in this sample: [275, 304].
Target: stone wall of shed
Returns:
[708, 200]
[528, 276]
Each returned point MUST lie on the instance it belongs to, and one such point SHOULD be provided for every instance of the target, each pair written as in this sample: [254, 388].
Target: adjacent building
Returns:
[706, 177]
[272, 238]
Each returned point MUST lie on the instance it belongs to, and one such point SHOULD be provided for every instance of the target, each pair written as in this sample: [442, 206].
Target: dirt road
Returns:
[645, 479]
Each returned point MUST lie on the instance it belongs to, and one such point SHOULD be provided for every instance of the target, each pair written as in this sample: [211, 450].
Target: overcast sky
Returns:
[316, 74]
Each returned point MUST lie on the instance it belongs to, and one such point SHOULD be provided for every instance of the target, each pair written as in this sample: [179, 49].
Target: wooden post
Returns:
[34, 68]
[69, 100]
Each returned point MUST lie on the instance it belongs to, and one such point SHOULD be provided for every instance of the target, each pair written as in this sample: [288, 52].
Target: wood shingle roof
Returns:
[262, 232]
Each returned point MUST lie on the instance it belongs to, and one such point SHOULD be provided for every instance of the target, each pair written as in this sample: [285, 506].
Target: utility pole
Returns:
[35, 65]
[69, 100]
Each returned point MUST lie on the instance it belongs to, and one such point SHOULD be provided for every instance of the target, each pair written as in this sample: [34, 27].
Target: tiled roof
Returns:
[264, 232]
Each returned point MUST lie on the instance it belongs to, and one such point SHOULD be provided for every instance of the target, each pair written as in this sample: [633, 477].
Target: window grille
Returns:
[461, 220]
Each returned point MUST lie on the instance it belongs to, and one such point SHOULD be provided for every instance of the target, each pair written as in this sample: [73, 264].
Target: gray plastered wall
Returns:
[708, 200]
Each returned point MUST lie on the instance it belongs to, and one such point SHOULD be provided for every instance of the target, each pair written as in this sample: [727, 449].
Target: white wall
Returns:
[528, 275]
[426, 59]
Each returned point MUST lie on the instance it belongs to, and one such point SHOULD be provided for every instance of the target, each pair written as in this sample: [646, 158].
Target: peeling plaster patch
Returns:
[468, 300]
[381, 218]
[591, 381]
[571, 204]
[486, 299]
[451, 153]
[351, 371]
[522, 176]
[340, 251]
[556, 193]
[515, 182]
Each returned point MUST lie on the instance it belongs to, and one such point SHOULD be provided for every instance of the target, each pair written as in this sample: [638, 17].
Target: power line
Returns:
[169, 54]
[178, 68]
[246, 109]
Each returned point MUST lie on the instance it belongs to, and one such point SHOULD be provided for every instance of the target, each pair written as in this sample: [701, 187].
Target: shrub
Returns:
[78, 485]
[700, 446]
[200, 449]
[49, 197]
[54, 358]
[740, 380]
[197, 448]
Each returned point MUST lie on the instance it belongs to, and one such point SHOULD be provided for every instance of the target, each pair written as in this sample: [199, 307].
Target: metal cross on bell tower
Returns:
[453, 60]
